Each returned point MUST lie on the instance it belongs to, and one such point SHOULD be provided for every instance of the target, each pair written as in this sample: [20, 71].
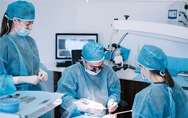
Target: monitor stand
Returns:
[63, 64]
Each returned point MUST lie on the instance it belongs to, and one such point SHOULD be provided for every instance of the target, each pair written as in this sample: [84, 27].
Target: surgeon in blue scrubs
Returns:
[163, 98]
[89, 87]
[20, 67]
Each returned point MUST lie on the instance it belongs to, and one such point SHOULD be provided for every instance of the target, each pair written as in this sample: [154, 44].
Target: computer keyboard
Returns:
[64, 64]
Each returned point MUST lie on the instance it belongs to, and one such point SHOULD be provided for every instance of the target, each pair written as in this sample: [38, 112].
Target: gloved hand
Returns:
[43, 75]
[34, 79]
[112, 106]
[89, 106]
[110, 116]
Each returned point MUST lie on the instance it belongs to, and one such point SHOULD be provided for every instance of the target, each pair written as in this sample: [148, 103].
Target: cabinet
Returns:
[129, 88]
[57, 76]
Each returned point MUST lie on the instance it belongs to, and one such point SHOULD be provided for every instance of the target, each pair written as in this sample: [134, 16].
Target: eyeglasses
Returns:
[140, 66]
[95, 68]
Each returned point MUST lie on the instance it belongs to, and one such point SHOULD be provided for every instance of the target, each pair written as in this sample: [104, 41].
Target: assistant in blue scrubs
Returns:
[163, 98]
[20, 67]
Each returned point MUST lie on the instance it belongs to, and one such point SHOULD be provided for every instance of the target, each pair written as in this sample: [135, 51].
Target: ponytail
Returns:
[169, 79]
[6, 26]
[166, 75]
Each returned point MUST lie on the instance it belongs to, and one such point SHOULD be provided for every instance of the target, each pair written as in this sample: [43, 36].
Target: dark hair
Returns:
[167, 76]
[4, 26]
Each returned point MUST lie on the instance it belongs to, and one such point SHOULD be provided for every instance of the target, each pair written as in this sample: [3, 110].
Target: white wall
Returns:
[58, 16]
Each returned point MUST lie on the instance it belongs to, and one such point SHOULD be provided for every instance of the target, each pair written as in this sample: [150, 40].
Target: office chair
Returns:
[76, 56]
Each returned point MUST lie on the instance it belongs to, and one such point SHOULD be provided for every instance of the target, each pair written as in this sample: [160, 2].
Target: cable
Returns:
[122, 38]
[180, 21]
[184, 15]
[122, 112]
[110, 43]
[116, 46]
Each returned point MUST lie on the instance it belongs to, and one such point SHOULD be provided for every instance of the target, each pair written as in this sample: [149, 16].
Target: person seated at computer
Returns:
[89, 87]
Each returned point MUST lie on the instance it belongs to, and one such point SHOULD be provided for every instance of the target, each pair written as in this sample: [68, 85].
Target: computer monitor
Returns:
[66, 42]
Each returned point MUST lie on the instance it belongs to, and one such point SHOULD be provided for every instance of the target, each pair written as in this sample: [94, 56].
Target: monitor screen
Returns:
[66, 42]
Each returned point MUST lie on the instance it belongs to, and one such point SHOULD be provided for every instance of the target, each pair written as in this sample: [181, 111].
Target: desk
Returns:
[127, 74]
[131, 83]
[130, 74]
[32, 104]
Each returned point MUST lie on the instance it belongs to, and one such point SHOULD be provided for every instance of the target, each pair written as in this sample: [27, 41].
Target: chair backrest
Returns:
[76, 56]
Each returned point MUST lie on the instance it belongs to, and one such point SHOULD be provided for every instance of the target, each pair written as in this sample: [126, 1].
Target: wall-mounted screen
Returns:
[66, 42]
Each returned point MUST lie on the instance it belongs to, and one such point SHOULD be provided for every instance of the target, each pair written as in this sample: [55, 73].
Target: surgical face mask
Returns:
[22, 31]
[147, 80]
[92, 72]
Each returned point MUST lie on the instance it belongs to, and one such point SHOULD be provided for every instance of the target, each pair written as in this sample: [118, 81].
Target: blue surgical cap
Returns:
[22, 10]
[93, 52]
[152, 58]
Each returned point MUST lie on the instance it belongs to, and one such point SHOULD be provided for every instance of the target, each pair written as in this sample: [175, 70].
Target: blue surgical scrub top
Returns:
[76, 83]
[160, 101]
[18, 57]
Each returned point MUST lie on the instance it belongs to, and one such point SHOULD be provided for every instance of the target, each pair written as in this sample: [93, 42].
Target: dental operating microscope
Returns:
[116, 56]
